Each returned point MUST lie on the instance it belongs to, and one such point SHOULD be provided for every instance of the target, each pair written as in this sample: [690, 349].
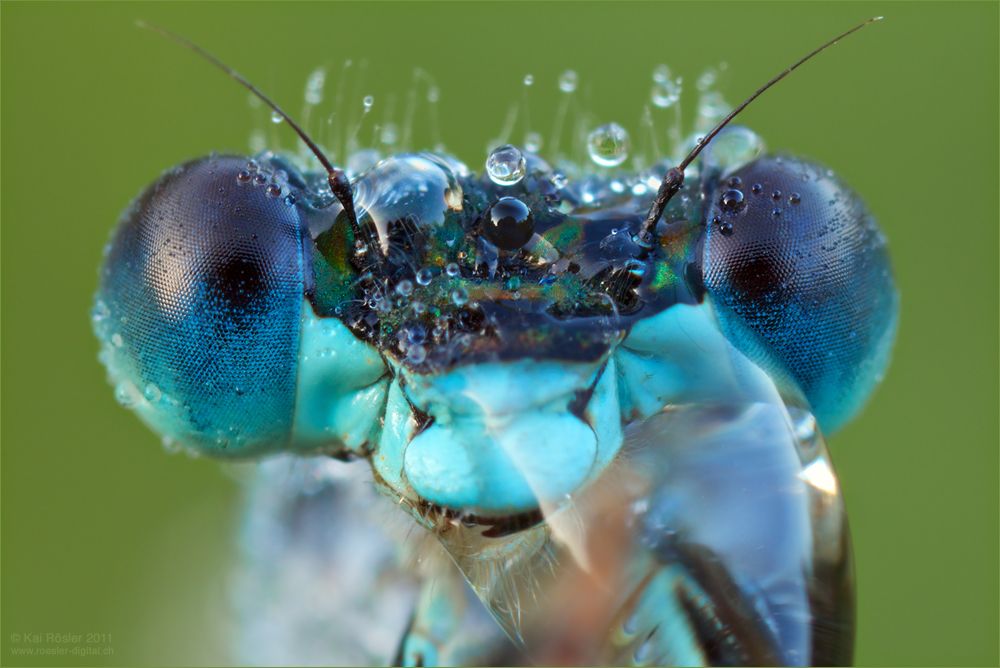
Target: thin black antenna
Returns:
[674, 178]
[339, 183]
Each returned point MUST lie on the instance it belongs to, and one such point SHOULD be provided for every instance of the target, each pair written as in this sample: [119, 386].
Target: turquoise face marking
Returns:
[588, 415]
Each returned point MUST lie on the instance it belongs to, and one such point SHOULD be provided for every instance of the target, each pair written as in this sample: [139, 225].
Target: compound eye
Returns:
[199, 306]
[793, 254]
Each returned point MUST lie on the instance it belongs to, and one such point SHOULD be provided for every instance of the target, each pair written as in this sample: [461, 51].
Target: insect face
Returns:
[509, 349]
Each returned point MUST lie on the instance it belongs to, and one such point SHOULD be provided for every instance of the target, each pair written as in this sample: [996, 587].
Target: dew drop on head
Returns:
[665, 93]
[314, 86]
[152, 393]
[608, 145]
[509, 224]
[732, 200]
[567, 81]
[506, 165]
[459, 296]
[533, 142]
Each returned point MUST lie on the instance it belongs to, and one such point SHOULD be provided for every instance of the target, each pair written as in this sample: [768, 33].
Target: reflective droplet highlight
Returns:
[732, 200]
[425, 276]
[568, 81]
[152, 393]
[608, 145]
[665, 93]
[509, 224]
[506, 165]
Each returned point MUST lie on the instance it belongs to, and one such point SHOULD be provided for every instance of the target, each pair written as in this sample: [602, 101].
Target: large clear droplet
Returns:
[608, 145]
[276, 117]
[567, 81]
[506, 165]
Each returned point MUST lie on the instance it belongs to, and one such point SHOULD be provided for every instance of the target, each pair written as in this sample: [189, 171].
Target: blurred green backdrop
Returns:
[104, 533]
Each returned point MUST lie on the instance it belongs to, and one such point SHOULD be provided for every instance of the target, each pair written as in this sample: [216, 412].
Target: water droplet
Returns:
[533, 142]
[756, 188]
[661, 73]
[274, 190]
[776, 212]
[559, 180]
[368, 101]
[416, 354]
[389, 134]
[314, 86]
[460, 296]
[126, 394]
[425, 276]
[608, 145]
[258, 141]
[567, 81]
[665, 93]
[243, 176]
[452, 269]
[509, 224]
[152, 393]
[433, 94]
[416, 334]
[726, 228]
[259, 179]
[528, 79]
[404, 288]
[116, 340]
[506, 165]
[707, 79]
[794, 198]
[734, 182]
[100, 311]
[170, 445]
[289, 199]
[732, 200]
[418, 307]
[712, 107]
[276, 117]
[776, 194]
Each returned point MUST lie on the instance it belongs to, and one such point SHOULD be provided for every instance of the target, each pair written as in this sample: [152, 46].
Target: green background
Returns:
[104, 533]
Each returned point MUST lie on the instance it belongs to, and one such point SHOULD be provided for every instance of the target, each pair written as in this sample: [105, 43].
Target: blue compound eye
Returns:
[199, 304]
[794, 255]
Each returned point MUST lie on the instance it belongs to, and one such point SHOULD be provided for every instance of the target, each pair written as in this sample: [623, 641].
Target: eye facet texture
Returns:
[794, 256]
[202, 291]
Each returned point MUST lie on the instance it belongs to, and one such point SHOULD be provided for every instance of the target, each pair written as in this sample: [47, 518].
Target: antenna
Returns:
[339, 183]
[674, 178]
